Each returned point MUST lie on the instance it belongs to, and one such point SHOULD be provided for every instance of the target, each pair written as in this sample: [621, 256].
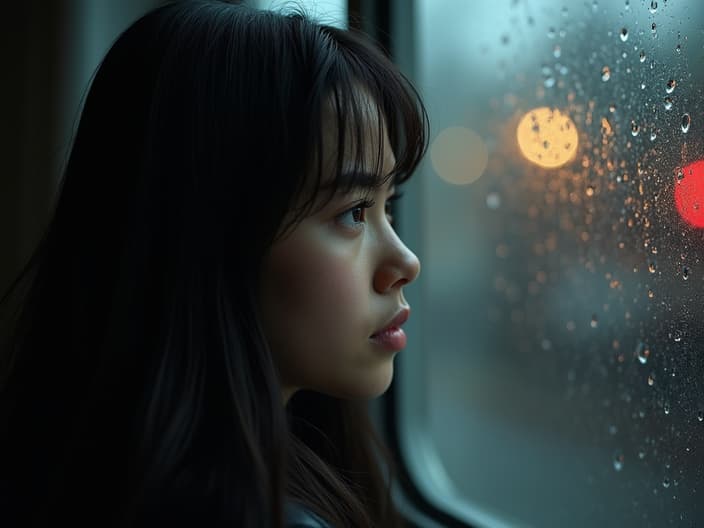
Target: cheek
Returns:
[316, 304]
[318, 288]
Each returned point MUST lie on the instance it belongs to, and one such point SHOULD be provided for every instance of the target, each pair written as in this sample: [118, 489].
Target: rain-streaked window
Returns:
[559, 216]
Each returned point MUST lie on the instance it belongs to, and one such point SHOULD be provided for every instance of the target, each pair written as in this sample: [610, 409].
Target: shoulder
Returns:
[297, 516]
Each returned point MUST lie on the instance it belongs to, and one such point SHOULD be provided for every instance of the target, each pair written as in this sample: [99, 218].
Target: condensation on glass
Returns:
[563, 202]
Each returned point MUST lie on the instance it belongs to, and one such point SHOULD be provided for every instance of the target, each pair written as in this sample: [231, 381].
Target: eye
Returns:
[355, 216]
[389, 205]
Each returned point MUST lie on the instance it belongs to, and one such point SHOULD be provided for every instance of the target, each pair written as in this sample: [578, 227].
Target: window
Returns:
[554, 374]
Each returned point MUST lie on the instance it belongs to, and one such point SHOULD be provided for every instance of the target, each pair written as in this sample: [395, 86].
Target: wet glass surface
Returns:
[563, 236]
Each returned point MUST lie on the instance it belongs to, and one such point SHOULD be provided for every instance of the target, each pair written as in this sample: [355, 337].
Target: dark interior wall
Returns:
[48, 52]
[30, 58]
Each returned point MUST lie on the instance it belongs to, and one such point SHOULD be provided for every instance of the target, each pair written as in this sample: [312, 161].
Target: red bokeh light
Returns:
[689, 193]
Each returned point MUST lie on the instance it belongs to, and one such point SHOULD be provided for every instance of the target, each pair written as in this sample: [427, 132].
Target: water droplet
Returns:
[612, 108]
[651, 294]
[700, 416]
[595, 6]
[678, 49]
[666, 408]
[605, 73]
[680, 174]
[641, 453]
[642, 56]
[668, 103]
[634, 128]
[557, 52]
[624, 34]
[590, 190]
[666, 482]
[653, 135]
[685, 273]
[595, 322]
[670, 86]
[628, 5]
[686, 121]
[618, 460]
[551, 32]
[651, 379]
[677, 337]
[493, 200]
[642, 352]
[653, 27]
[613, 429]
[549, 82]
[652, 267]
[642, 86]
[653, 6]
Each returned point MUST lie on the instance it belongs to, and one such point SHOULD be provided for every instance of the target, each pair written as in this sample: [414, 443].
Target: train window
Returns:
[554, 374]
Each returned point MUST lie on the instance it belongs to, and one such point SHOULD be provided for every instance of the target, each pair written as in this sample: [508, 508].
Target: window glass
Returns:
[559, 217]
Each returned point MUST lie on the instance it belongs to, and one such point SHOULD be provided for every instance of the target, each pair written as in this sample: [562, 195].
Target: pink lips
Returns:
[391, 337]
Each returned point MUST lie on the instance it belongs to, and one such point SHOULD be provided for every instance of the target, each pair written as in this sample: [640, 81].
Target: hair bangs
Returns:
[362, 96]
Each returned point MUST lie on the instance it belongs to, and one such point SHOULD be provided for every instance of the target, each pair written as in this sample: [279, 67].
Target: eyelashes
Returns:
[355, 216]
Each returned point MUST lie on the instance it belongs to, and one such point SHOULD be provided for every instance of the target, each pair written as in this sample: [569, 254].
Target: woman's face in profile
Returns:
[334, 282]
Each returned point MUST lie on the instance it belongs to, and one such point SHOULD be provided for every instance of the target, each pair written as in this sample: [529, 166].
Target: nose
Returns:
[399, 266]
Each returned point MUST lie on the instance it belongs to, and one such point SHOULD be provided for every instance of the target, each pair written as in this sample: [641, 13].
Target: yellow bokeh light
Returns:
[547, 137]
[459, 155]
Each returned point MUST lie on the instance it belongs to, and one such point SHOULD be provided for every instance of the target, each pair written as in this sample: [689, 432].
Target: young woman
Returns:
[220, 288]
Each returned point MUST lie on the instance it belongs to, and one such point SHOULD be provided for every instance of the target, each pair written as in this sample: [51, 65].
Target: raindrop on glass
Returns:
[652, 267]
[668, 103]
[618, 460]
[595, 6]
[686, 121]
[677, 337]
[594, 322]
[653, 135]
[624, 35]
[612, 108]
[700, 416]
[605, 73]
[549, 82]
[653, 27]
[641, 453]
[651, 294]
[653, 6]
[557, 52]
[651, 379]
[666, 408]
[670, 86]
[685, 273]
[551, 33]
[678, 48]
[634, 128]
[493, 200]
[666, 482]
[642, 353]
[642, 86]
[642, 56]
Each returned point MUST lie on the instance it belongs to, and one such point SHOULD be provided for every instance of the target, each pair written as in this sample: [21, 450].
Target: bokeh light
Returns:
[689, 193]
[459, 155]
[547, 137]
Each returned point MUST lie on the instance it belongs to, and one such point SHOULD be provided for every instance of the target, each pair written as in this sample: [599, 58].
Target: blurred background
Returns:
[554, 374]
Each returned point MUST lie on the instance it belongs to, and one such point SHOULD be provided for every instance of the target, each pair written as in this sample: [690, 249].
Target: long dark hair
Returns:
[137, 385]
